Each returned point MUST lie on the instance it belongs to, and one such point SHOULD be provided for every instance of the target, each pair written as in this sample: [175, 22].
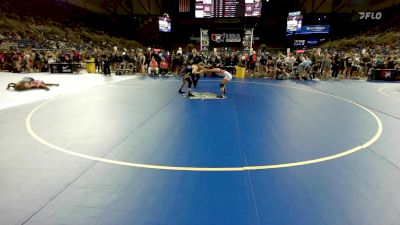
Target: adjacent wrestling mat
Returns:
[136, 152]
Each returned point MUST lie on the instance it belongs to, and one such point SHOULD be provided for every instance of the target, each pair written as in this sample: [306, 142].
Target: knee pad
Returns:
[221, 85]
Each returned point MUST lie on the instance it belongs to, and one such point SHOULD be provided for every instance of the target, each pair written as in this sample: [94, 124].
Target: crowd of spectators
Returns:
[315, 63]
[31, 44]
[324, 63]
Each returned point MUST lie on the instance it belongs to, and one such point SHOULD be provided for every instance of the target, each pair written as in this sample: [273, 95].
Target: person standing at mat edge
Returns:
[227, 77]
[194, 59]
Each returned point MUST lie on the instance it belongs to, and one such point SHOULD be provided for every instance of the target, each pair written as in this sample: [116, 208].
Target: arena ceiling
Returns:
[344, 6]
[121, 7]
[155, 7]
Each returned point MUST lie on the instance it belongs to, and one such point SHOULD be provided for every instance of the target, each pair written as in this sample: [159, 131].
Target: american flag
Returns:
[184, 5]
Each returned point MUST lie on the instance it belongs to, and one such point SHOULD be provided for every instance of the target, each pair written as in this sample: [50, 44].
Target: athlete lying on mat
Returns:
[227, 77]
[186, 74]
[28, 83]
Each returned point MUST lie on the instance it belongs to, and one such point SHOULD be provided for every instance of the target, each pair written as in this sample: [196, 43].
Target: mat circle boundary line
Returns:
[387, 95]
[215, 169]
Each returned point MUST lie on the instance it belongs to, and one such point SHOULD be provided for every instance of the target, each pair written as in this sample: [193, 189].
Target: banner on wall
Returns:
[315, 29]
[204, 40]
[226, 38]
[223, 38]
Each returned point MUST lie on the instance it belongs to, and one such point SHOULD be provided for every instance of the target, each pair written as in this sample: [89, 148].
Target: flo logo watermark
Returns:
[370, 15]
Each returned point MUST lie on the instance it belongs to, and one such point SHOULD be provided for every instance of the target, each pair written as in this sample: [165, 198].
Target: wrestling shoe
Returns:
[190, 95]
[220, 96]
[181, 92]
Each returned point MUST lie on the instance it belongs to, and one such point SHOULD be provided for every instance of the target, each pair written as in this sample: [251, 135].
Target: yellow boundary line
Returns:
[382, 92]
[214, 169]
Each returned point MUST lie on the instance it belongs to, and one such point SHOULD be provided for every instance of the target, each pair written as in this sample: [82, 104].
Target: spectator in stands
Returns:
[390, 63]
[364, 61]
[252, 63]
[1, 60]
[98, 62]
[68, 57]
[279, 68]
[106, 64]
[37, 63]
[16, 62]
[163, 66]
[141, 62]
[126, 59]
[50, 58]
[397, 67]
[355, 66]
[263, 64]
[194, 58]
[177, 62]
[270, 67]
[27, 61]
[326, 65]
[335, 66]
[153, 67]
[378, 64]
[348, 65]
[76, 56]
[305, 66]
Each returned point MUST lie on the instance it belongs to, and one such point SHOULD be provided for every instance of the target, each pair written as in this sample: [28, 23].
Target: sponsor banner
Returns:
[66, 68]
[297, 13]
[220, 38]
[204, 40]
[312, 42]
[63, 68]
[315, 29]
[225, 37]
[299, 42]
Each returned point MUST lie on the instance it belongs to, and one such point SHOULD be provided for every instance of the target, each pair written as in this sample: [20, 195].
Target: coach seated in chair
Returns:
[163, 67]
[153, 67]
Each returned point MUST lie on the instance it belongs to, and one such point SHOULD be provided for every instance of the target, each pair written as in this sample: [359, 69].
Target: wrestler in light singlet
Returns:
[222, 85]
[227, 76]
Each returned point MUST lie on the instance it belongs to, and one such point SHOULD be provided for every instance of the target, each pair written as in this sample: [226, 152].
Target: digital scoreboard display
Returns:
[294, 22]
[227, 8]
[164, 24]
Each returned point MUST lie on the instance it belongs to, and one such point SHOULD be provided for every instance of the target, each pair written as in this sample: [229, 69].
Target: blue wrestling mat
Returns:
[136, 152]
